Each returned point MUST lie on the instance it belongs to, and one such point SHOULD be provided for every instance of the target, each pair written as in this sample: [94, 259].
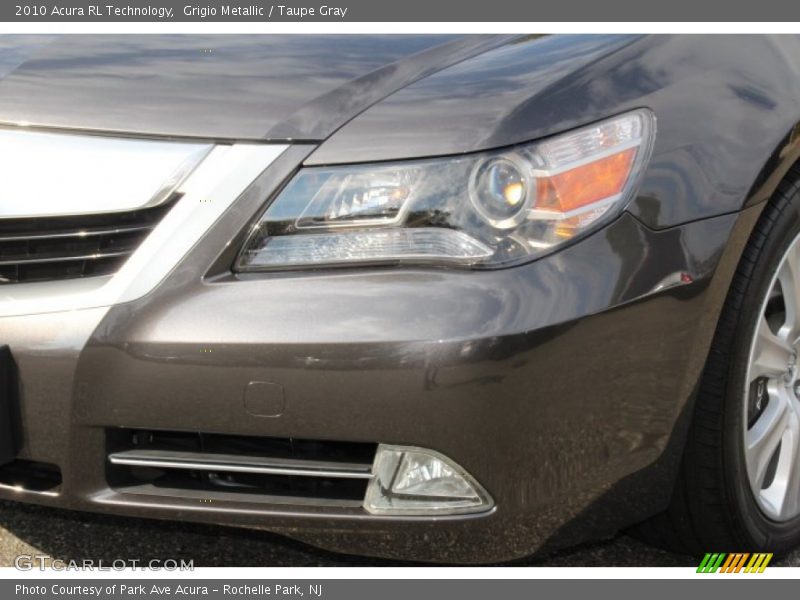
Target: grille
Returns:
[70, 247]
[239, 467]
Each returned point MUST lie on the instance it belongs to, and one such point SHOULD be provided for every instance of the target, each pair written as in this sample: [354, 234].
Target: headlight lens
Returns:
[485, 210]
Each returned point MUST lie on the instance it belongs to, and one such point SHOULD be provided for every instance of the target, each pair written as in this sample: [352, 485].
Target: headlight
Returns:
[484, 210]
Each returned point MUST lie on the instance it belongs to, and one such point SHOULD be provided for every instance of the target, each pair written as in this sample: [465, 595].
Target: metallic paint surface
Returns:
[236, 87]
[563, 385]
[498, 371]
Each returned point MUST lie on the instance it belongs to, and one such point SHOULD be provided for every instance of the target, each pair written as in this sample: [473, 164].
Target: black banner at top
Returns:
[394, 11]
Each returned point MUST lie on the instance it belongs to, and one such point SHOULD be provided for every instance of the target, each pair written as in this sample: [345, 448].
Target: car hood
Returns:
[528, 88]
[218, 87]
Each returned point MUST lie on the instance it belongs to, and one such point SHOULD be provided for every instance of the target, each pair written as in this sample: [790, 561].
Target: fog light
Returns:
[416, 481]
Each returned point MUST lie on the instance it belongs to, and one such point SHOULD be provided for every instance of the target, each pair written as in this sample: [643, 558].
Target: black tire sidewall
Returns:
[757, 530]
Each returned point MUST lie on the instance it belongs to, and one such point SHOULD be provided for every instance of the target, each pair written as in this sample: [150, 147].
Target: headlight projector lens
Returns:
[500, 192]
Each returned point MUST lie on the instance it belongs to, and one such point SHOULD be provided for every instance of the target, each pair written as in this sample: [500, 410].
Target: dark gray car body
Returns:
[564, 386]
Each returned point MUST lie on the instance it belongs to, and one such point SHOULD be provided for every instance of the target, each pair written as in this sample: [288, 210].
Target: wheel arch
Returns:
[776, 167]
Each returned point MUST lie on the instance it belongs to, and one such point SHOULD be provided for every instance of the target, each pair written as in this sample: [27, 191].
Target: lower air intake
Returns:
[239, 467]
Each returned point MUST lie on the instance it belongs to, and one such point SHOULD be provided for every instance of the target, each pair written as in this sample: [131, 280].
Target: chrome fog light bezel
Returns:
[381, 500]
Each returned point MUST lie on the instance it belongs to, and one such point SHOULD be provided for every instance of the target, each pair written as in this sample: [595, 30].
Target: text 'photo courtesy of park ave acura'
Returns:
[458, 299]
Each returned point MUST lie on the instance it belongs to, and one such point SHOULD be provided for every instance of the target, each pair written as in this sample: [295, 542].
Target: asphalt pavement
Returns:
[65, 535]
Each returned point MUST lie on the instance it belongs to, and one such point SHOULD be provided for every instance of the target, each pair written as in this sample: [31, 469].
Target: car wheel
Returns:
[739, 486]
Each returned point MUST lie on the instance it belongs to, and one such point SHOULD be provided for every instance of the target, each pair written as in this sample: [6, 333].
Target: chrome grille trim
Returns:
[223, 175]
[49, 174]
[162, 459]
[70, 247]
[57, 259]
[82, 233]
[238, 467]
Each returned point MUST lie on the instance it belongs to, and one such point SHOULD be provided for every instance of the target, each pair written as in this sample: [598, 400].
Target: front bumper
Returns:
[558, 385]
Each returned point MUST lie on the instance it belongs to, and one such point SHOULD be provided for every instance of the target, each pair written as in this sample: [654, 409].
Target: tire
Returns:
[718, 504]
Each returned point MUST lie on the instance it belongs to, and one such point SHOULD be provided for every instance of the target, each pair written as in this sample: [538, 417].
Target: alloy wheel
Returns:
[772, 399]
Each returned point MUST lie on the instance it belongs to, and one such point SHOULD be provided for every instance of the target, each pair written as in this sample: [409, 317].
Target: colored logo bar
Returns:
[737, 562]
